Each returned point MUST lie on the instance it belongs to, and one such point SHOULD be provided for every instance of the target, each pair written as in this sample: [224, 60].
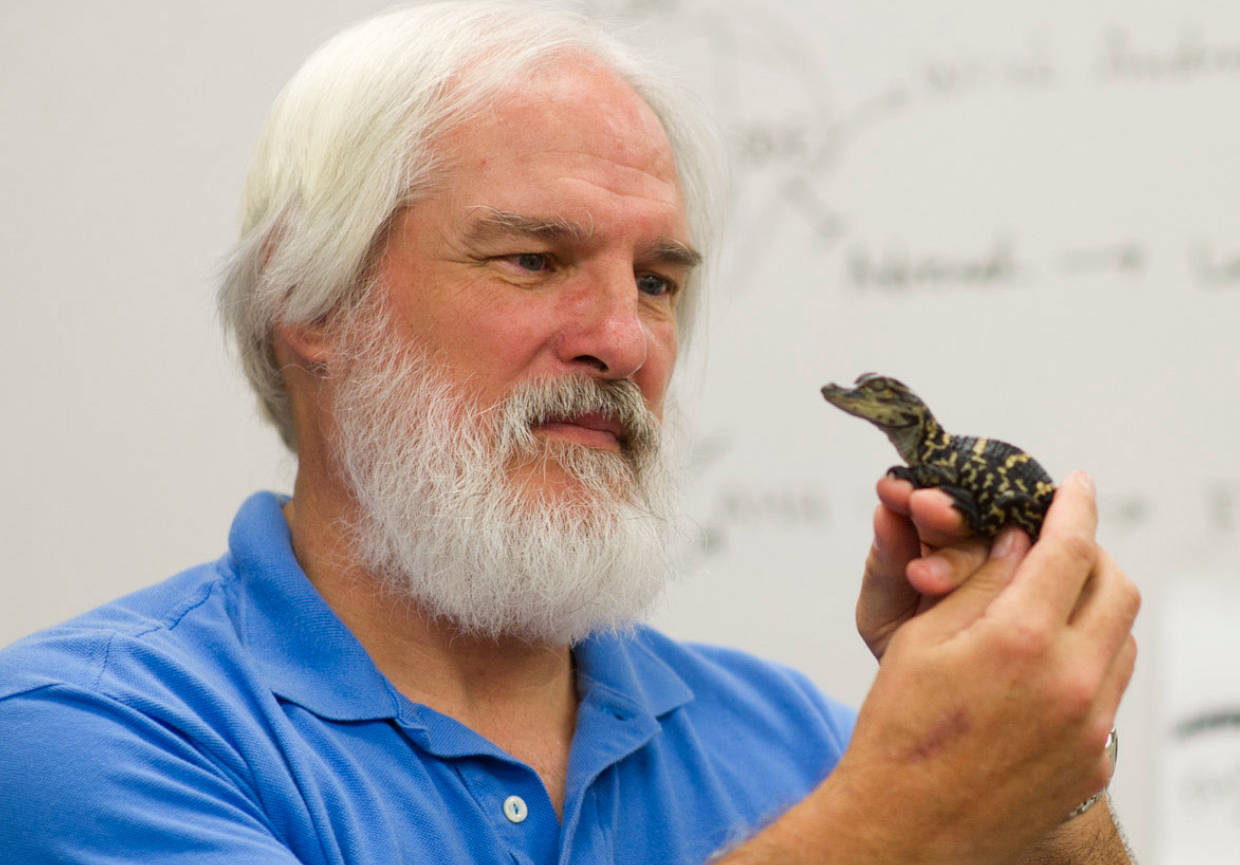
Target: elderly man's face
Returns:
[555, 247]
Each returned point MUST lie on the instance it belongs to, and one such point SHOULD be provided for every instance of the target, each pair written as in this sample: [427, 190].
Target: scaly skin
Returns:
[992, 483]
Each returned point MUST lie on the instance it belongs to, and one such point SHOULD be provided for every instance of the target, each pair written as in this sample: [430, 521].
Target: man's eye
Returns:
[655, 286]
[534, 262]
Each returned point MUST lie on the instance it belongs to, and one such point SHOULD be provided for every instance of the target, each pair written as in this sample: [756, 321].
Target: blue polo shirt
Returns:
[228, 715]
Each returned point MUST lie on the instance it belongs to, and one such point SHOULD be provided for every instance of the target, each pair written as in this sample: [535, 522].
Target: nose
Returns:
[602, 329]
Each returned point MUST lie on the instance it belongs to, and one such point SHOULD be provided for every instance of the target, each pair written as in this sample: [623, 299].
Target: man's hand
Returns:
[902, 576]
[1001, 673]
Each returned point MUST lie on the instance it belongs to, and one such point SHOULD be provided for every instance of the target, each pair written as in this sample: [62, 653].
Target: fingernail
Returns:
[1086, 482]
[1003, 544]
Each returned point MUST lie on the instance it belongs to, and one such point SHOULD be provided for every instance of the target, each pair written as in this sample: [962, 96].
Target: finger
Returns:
[894, 493]
[1108, 605]
[1053, 577]
[1116, 682]
[938, 522]
[948, 567]
[886, 596]
[974, 596]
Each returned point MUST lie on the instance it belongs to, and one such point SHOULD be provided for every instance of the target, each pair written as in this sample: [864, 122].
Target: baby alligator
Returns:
[991, 483]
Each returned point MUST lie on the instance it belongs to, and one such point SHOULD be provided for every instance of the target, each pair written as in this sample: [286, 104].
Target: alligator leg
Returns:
[923, 476]
[943, 478]
[1020, 508]
[963, 501]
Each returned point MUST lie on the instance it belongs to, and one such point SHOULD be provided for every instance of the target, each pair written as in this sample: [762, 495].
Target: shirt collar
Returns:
[308, 656]
[305, 653]
[623, 670]
[625, 689]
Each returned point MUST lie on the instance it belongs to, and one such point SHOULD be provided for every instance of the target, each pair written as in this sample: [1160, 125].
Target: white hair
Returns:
[349, 141]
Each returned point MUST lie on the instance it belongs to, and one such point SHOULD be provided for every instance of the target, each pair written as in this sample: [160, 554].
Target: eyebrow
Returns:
[677, 253]
[494, 223]
[499, 223]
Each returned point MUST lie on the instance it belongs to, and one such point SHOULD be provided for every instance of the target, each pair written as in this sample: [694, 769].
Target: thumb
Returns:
[973, 596]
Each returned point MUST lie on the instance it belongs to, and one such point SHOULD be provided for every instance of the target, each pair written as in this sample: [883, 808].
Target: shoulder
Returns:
[140, 685]
[159, 628]
[731, 686]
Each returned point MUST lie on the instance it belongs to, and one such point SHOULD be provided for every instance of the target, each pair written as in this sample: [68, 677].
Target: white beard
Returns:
[443, 524]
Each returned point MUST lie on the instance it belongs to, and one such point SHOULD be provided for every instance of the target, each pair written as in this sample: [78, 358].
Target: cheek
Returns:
[655, 376]
[459, 315]
[513, 340]
[491, 340]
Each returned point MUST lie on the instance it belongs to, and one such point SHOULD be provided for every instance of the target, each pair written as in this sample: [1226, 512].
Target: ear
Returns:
[303, 343]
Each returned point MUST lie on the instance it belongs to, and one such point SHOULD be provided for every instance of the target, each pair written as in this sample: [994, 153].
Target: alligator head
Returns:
[890, 406]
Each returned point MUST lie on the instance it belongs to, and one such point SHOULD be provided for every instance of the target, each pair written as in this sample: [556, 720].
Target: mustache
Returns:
[556, 400]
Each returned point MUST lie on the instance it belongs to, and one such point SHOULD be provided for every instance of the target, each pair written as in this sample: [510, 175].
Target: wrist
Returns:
[1112, 753]
[1093, 838]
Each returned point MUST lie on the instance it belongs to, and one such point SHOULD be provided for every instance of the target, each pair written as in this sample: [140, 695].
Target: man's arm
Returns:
[987, 719]
[1090, 839]
[812, 833]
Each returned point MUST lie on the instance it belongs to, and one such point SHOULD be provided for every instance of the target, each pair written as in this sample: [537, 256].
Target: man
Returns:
[470, 244]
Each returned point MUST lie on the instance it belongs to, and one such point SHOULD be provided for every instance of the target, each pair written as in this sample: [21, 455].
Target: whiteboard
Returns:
[1026, 211]
[1198, 772]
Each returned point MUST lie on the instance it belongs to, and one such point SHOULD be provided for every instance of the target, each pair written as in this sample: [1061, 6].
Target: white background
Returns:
[1027, 211]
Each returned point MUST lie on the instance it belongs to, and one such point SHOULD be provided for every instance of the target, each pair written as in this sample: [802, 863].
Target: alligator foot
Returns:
[902, 473]
[963, 501]
[925, 475]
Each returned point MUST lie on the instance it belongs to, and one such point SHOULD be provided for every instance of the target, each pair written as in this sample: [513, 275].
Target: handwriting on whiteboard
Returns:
[792, 131]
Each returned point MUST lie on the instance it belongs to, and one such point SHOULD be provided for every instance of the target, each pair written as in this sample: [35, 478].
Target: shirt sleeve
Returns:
[839, 718]
[87, 779]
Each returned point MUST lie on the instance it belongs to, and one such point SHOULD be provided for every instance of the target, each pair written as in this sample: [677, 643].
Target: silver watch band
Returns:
[1112, 751]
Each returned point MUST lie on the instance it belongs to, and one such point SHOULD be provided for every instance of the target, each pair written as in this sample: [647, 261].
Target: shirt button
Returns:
[515, 809]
